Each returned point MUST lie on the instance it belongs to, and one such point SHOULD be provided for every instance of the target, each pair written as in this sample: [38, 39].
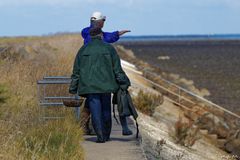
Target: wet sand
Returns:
[211, 64]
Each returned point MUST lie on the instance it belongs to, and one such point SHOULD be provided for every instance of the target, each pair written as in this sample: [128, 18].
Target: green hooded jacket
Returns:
[97, 69]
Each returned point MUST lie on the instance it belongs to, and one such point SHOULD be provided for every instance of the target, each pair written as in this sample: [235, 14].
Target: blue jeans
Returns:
[100, 108]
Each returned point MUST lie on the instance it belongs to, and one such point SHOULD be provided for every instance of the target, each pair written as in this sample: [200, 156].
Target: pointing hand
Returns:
[123, 32]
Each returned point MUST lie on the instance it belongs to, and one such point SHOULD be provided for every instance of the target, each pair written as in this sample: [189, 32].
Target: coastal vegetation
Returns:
[185, 133]
[146, 102]
[2, 94]
[22, 134]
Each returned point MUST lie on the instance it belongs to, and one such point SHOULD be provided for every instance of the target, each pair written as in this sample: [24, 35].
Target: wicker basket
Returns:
[73, 102]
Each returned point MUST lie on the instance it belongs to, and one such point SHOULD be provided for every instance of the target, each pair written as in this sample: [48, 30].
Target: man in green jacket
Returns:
[97, 73]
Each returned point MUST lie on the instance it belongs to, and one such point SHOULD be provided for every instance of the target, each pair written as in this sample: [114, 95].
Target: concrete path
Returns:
[118, 148]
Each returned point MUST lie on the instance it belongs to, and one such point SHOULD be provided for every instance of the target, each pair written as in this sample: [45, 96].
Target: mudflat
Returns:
[210, 64]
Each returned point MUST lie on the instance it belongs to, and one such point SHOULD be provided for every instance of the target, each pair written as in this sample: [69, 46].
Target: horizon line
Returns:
[126, 36]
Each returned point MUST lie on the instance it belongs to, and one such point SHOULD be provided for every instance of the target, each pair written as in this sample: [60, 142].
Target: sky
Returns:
[142, 17]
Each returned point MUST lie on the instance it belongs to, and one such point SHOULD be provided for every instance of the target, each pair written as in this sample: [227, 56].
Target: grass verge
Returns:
[22, 135]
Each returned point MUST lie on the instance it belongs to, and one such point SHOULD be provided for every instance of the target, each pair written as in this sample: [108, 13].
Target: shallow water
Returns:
[214, 65]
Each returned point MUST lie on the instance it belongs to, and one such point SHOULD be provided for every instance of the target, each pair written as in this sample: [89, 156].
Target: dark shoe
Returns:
[107, 139]
[100, 141]
[127, 132]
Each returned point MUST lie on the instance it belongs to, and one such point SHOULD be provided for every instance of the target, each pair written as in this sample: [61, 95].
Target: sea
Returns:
[212, 61]
[181, 37]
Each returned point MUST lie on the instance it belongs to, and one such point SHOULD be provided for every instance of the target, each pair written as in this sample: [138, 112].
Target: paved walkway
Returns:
[118, 148]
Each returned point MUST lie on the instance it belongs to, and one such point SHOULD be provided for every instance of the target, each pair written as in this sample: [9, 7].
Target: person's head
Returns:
[95, 32]
[97, 19]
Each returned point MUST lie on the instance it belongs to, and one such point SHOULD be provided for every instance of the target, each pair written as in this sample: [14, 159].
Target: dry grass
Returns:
[22, 135]
[2, 94]
[47, 141]
[11, 40]
[147, 102]
[185, 133]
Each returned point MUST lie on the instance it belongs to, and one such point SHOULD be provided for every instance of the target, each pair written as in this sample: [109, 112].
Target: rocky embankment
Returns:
[158, 131]
[157, 141]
